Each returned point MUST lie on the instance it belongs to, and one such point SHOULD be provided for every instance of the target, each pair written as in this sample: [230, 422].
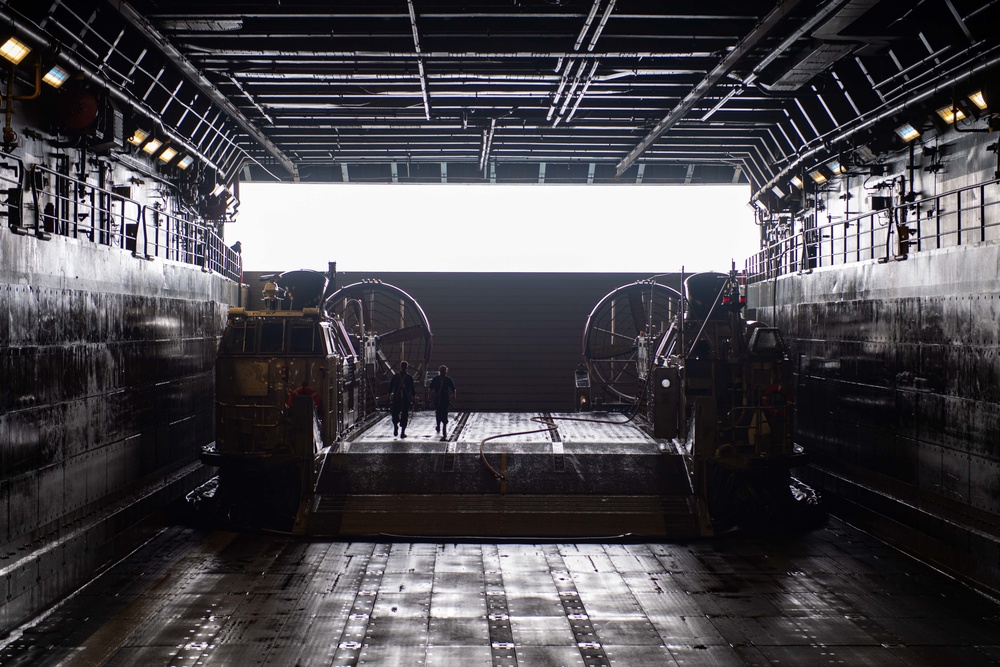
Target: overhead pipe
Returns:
[586, 24]
[420, 60]
[600, 26]
[583, 91]
[824, 142]
[340, 56]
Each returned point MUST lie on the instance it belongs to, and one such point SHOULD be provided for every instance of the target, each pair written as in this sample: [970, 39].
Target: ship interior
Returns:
[792, 459]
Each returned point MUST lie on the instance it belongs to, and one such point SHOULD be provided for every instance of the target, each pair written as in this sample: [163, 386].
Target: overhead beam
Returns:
[203, 84]
[760, 31]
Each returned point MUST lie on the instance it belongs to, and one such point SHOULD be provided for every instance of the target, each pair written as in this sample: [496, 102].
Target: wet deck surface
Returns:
[832, 596]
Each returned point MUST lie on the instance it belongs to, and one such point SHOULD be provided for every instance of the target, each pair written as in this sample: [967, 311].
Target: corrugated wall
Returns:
[512, 341]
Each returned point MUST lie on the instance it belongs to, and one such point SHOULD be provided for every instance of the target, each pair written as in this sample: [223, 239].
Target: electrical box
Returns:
[667, 407]
[879, 203]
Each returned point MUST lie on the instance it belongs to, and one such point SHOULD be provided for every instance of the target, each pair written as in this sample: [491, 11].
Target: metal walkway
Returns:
[833, 596]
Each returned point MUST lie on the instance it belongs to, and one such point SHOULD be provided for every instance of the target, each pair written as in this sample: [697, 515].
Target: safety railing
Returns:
[11, 177]
[66, 206]
[958, 217]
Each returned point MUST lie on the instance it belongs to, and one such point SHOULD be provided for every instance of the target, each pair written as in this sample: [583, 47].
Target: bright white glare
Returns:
[494, 228]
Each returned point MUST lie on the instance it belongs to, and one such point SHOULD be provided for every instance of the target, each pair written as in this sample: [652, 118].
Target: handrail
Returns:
[67, 206]
[12, 186]
[970, 214]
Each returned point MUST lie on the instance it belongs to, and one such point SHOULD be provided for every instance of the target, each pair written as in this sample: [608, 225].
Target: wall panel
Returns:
[898, 394]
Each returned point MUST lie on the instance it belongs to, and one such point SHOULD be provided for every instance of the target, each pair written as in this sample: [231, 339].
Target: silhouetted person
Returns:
[443, 389]
[401, 397]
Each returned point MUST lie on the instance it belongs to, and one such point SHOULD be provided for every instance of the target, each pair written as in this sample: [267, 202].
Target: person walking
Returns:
[443, 391]
[401, 399]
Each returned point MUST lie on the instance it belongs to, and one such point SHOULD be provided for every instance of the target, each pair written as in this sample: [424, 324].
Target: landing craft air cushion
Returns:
[700, 441]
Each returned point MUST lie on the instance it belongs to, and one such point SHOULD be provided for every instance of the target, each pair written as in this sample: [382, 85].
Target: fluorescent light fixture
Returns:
[797, 182]
[14, 51]
[56, 76]
[950, 114]
[152, 146]
[778, 192]
[138, 137]
[818, 176]
[185, 162]
[907, 132]
[168, 154]
[978, 99]
[836, 167]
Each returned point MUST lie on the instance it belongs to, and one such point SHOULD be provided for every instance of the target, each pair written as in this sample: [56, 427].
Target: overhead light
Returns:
[818, 176]
[56, 76]
[152, 146]
[907, 132]
[797, 182]
[950, 113]
[778, 192]
[836, 167]
[185, 162]
[138, 137]
[168, 154]
[14, 50]
[978, 99]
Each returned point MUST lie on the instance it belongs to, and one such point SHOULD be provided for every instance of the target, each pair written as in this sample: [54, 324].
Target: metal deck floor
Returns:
[833, 596]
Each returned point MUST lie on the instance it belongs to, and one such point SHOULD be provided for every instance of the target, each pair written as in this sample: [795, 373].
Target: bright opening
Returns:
[494, 228]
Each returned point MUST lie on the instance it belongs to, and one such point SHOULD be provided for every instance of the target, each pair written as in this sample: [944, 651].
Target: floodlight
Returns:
[950, 114]
[56, 76]
[138, 137]
[907, 132]
[14, 50]
[168, 154]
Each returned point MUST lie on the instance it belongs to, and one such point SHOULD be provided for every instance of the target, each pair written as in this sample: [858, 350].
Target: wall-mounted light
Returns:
[979, 100]
[14, 50]
[818, 176]
[797, 182]
[836, 167]
[951, 113]
[138, 137]
[56, 76]
[185, 162]
[167, 155]
[152, 146]
[907, 132]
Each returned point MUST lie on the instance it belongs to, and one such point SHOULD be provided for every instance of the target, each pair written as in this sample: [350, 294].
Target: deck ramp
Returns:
[590, 476]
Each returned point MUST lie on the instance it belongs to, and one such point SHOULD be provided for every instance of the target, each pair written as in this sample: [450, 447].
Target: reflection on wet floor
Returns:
[833, 596]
